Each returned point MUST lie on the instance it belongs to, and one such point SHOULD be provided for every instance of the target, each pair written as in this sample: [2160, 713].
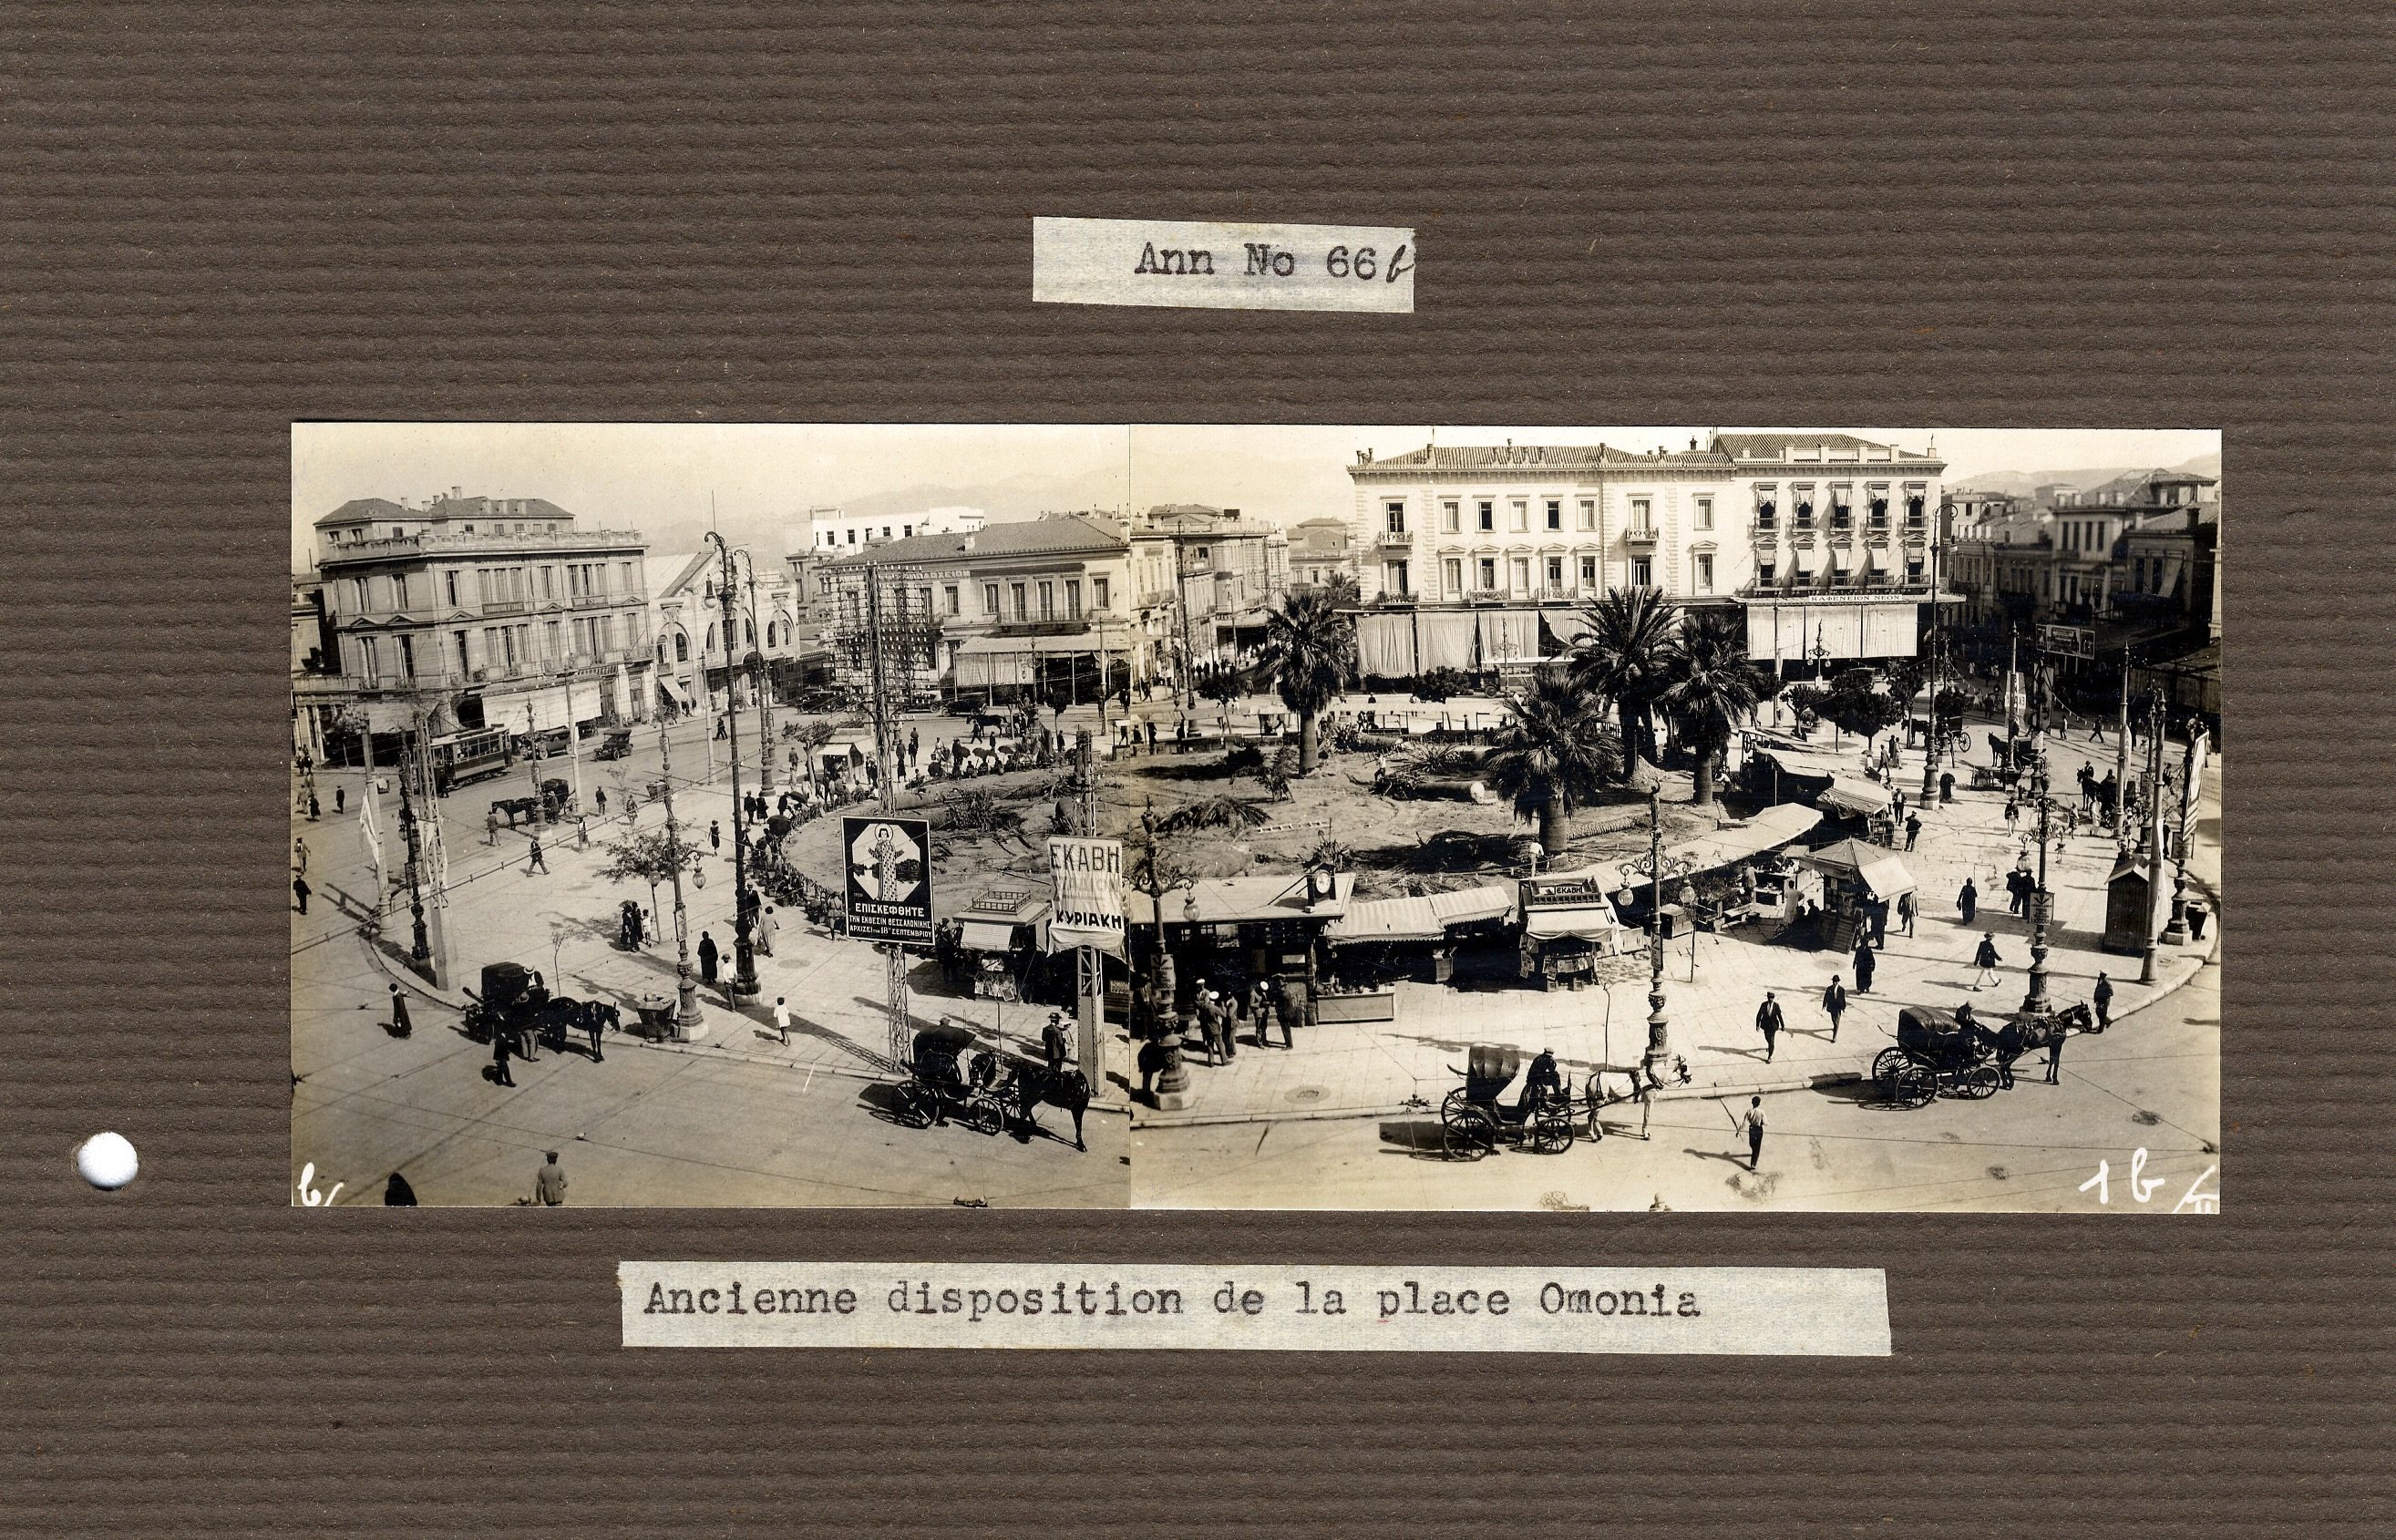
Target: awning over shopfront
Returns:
[1385, 645]
[985, 934]
[1426, 918]
[1769, 830]
[1592, 923]
[1444, 639]
[1847, 794]
[1509, 636]
[986, 661]
[1238, 900]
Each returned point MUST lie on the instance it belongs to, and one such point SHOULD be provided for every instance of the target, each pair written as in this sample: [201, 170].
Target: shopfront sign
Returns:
[1085, 891]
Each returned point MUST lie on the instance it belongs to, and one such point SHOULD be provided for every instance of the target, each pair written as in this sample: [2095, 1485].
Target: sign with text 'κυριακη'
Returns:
[889, 867]
[1085, 891]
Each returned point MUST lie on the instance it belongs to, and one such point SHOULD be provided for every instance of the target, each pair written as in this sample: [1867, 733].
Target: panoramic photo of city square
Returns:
[1256, 816]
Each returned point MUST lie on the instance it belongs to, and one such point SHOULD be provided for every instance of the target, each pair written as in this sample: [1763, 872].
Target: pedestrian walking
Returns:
[2013, 810]
[400, 1024]
[502, 1045]
[536, 863]
[491, 826]
[767, 927]
[1968, 903]
[312, 809]
[1052, 1043]
[597, 1025]
[714, 837]
[340, 804]
[397, 1193]
[1906, 908]
[1864, 964]
[1947, 786]
[914, 746]
[1755, 1133]
[299, 890]
[1985, 960]
[599, 800]
[2101, 998]
[2197, 915]
[1646, 1102]
[1768, 1020]
[707, 955]
[782, 1019]
[549, 1184]
[2055, 1055]
[1913, 828]
[1834, 1005]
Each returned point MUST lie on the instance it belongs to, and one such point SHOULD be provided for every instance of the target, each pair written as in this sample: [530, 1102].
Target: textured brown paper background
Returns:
[219, 219]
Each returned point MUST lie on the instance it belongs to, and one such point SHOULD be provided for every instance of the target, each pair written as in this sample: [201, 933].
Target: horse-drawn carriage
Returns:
[985, 1091]
[941, 1082]
[1475, 1119]
[1952, 1053]
[556, 801]
[513, 1000]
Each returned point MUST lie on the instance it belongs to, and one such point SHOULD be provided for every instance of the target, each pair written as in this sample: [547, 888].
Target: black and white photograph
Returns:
[1244, 817]
[679, 814]
[1668, 818]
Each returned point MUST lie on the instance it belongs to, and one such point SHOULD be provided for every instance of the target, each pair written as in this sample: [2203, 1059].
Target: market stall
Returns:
[1000, 942]
[1390, 938]
[1859, 882]
[1567, 923]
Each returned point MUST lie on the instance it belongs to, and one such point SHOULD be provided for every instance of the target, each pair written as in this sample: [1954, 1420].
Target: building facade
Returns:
[1320, 553]
[1036, 607]
[1204, 577]
[473, 612]
[830, 530]
[696, 664]
[1478, 554]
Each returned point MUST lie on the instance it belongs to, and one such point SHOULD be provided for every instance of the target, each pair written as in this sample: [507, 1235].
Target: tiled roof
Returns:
[363, 511]
[1053, 536]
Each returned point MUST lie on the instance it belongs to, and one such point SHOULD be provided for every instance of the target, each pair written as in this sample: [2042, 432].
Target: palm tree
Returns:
[1625, 655]
[1552, 753]
[1221, 812]
[1310, 649]
[1714, 688]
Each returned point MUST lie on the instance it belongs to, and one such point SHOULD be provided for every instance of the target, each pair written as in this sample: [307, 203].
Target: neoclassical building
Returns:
[1474, 555]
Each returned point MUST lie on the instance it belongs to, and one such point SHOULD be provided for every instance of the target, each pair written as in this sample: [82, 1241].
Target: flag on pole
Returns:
[2194, 789]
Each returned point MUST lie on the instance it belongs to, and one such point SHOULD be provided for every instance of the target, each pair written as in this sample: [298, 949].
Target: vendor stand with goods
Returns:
[1000, 943]
[1567, 923]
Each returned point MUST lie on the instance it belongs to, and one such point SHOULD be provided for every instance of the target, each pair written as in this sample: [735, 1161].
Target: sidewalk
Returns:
[1377, 1069]
[563, 923]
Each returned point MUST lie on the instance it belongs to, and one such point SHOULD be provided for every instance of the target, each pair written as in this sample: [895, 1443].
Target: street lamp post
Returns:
[689, 1023]
[1656, 869]
[744, 974]
[419, 950]
[2176, 934]
[1930, 755]
[2154, 829]
[2039, 901]
[762, 683]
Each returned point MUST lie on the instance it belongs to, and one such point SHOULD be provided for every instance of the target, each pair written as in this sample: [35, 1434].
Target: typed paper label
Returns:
[1799, 1312]
[1217, 266]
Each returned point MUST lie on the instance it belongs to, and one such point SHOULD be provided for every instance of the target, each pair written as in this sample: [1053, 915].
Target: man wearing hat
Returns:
[1052, 1043]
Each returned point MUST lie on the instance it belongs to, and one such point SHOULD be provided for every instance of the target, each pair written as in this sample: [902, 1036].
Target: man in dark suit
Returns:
[1768, 1020]
[1834, 1005]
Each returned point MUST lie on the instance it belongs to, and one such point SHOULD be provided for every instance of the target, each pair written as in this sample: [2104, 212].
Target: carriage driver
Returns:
[1541, 1080]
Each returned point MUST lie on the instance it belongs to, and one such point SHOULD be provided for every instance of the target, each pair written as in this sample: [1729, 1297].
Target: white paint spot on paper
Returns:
[107, 1161]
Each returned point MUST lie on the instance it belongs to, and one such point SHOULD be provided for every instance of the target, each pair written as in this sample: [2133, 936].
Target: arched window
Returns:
[682, 646]
[749, 633]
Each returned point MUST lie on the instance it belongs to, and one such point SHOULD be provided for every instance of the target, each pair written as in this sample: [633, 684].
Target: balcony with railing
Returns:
[1394, 539]
[506, 606]
[1640, 537]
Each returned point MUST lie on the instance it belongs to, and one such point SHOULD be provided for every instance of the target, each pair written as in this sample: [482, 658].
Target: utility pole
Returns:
[1092, 963]
[2176, 934]
[1930, 758]
[763, 685]
[2121, 759]
[744, 978]
[886, 734]
[2154, 829]
[532, 767]
[572, 740]
[689, 1023]
[419, 950]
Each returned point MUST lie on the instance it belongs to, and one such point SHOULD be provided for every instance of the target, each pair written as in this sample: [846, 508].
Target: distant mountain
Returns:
[1020, 497]
[1276, 491]
[2023, 483]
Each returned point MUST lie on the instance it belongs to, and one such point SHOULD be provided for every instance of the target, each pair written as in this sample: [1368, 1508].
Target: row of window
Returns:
[1031, 599]
[493, 585]
[1518, 514]
[833, 537]
[400, 532]
[415, 656]
[1513, 576]
[1767, 516]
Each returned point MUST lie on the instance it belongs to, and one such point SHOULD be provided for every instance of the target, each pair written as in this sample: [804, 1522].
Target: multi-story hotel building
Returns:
[1204, 577]
[1476, 555]
[473, 612]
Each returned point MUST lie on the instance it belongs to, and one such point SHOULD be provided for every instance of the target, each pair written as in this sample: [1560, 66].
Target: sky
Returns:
[638, 475]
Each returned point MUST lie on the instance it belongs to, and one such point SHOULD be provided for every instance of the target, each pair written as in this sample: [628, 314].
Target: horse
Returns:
[2022, 1035]
[1033, 1083]
[510, 807]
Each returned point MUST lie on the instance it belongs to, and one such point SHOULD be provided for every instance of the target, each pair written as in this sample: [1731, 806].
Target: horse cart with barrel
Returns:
[1475, 1117]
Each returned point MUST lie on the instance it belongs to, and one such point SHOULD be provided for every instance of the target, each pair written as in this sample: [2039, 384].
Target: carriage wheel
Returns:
[984, 1115]
[1888, 1066]
[1978, 1083]
[1913, 1086]
[1451, 1106]
[1473, 1134]
[1551, 1129]
[911, 1107]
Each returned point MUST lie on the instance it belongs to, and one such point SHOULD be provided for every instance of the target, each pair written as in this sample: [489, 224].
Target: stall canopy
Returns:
[1876, 868]
[1847, 794]
[987, 935]
[1426, 918]
[1769, 830]
[1591, 922]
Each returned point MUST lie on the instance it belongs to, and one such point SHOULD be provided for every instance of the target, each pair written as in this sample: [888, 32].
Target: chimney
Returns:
[455, 493]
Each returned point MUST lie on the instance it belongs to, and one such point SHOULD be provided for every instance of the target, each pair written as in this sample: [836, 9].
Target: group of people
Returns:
[1219, 1015]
